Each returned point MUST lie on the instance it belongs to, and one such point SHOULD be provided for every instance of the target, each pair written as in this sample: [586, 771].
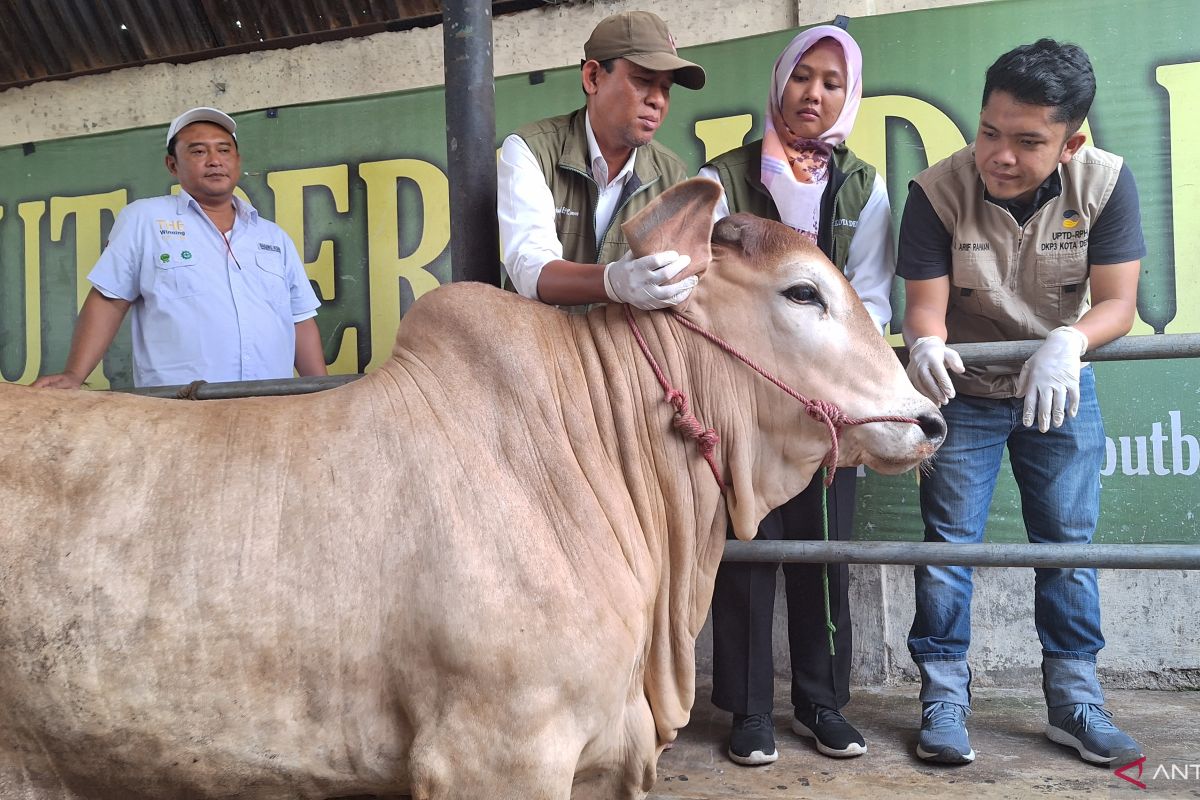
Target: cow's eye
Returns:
[804, 294]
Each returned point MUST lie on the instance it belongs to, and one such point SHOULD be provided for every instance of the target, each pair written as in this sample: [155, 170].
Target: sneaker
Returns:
[834, 736]
[1088, 728]
[752, 740]
[943, 735]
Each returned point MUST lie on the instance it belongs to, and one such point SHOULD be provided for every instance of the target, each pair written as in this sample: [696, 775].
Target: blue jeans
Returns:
[1058, 474]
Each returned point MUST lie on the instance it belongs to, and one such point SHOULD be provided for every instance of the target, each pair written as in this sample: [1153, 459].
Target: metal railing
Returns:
[1119, 556]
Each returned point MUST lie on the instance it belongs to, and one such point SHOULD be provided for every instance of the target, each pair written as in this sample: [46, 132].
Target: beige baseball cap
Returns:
[642, 38]
[202, 114]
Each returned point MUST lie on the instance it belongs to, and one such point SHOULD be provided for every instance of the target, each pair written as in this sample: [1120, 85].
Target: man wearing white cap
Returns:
[217, 292]
[567, 183]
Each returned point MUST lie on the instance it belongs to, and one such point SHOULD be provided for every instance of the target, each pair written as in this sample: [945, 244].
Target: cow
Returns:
[477, 572]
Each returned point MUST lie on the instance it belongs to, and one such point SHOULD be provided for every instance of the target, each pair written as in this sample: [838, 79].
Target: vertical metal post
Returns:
[471, 140]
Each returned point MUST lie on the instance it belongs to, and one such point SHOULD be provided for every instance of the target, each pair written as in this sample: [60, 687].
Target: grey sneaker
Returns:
[943, 735]
[1089, 729]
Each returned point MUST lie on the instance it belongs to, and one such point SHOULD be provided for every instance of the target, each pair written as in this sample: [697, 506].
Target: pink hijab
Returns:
[795, 170]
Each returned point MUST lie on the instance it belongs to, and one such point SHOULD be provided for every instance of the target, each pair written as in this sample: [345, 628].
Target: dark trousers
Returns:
[744, 605]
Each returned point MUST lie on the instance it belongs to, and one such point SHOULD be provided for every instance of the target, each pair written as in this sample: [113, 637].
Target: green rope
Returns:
[830, 628]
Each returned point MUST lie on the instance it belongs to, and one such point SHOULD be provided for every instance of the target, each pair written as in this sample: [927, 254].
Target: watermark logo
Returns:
[1122, 772]
[1133, 771]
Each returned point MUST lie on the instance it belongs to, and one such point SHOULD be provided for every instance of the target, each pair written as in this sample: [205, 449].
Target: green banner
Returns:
[361, 187]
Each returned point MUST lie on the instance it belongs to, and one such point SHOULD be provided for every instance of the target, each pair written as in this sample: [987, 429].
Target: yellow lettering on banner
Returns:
[723, 134]
[31, 214]
[1182, 82]
[288, 187]
[346, 361]
[386, 265]
[1140, 327]
[939, 135]
[87, 210]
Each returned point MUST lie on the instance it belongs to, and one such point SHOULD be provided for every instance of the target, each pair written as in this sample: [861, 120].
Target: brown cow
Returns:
[478, 572]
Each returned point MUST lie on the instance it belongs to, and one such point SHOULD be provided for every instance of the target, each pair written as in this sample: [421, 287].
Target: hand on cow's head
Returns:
[680, 219]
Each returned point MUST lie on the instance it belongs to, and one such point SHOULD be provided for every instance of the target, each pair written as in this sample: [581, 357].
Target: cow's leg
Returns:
[633, 758]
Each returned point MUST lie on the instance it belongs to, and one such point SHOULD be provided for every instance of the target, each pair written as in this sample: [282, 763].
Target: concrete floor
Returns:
[1014, 760]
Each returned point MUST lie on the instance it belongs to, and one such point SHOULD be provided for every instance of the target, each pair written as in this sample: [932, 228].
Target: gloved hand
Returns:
[640, 281]
[928, 359]
[1049, 380]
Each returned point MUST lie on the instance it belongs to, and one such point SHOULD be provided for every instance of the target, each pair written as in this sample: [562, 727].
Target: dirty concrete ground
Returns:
[1014, 760]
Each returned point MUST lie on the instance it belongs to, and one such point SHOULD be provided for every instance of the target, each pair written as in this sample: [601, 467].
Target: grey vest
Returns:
[1008, 281]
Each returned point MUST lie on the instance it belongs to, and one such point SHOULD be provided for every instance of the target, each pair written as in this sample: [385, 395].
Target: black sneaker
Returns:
[752, 740]
[833, 734]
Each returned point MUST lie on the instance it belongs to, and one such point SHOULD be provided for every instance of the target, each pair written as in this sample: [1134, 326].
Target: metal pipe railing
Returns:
[1127, 348]
[1106, 556]
[278, 387]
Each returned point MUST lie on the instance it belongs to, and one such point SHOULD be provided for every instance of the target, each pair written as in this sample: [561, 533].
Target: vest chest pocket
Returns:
[1061, 286]
[975, 284]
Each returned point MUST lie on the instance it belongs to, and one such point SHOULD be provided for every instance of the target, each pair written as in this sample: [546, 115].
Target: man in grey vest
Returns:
[565, 184]
[1003, 241]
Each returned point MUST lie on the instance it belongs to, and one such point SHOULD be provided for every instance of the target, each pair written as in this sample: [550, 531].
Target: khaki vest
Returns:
[1011, 282]
[851, 178]
[560, 146]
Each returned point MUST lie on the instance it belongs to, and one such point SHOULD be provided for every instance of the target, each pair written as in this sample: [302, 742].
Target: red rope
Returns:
[823, 411]
[685, 421]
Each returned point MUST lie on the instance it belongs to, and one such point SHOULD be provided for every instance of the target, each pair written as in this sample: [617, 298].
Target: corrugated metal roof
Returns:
[52, 39]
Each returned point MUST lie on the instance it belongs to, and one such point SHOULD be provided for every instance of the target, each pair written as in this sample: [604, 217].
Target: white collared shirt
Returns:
[205, 307]
[525, 208]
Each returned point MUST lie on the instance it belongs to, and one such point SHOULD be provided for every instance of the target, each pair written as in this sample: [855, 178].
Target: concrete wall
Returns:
[1153, 638]
[544, 38]
[1149, 618]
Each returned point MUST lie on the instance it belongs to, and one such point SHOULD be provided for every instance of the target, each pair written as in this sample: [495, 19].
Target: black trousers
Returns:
[744, 605]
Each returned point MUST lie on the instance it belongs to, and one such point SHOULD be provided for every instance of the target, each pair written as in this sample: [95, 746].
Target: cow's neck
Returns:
[677, 499]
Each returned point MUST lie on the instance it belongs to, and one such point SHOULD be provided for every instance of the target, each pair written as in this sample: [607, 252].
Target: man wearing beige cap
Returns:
[568, 182]
[217, 292]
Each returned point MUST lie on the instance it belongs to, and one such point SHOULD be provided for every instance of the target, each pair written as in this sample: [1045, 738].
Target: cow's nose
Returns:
[933, 426]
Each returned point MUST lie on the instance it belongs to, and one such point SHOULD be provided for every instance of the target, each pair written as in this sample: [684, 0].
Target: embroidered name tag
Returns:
[272, 248]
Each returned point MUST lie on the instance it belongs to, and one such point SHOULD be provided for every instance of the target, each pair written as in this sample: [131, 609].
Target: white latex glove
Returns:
[640, 281]
[928, 360]
[1049, 380]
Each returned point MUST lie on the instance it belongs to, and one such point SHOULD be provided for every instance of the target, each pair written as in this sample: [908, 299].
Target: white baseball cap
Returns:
[202, 114]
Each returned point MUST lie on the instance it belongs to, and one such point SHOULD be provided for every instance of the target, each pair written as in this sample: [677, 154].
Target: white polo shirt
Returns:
[204, 309]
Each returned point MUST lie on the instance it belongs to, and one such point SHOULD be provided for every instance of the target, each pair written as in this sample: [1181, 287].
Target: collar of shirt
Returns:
[596, 159]
[242, 208]
[1021, 212]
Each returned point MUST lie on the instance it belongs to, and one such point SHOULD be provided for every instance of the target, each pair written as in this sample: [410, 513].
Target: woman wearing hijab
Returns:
[802, 173]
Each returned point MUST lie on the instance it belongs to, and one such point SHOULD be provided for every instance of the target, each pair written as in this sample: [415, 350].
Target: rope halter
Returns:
[823, 411]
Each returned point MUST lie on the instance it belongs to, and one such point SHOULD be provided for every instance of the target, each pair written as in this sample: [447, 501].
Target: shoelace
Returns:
[824, 714]
[1093, 717]
[946, 715]
[756, 722]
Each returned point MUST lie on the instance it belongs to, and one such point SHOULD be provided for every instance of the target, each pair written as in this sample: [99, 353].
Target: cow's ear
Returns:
[679, 219]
